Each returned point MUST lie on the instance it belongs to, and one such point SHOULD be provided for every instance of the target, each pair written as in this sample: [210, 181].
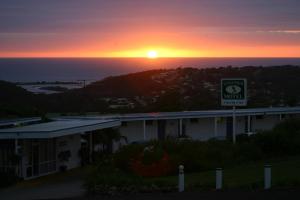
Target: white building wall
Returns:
[70, 143]
[133, 130]
[221, 127]
[151, 131]
[240, 125]
[172, 127]
[26, 156]
[201, 130]
[266, 123]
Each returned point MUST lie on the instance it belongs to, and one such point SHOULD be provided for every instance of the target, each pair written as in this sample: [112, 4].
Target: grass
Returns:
[285, 173]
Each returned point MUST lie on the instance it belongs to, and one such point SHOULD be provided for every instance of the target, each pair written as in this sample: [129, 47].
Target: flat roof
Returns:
[11, 122]
[209, 113]
[78, 124]
[57, 128]
[195, 114]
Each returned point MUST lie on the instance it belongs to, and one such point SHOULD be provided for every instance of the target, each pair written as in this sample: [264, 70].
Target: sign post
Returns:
[233, 93]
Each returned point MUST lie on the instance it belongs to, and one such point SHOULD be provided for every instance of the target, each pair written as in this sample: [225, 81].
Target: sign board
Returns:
[234, 92]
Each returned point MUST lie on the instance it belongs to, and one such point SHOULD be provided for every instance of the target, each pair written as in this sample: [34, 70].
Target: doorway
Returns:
[161, 129]
[229, 128]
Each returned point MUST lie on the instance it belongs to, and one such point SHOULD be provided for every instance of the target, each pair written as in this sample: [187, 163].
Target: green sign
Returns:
[234, 92]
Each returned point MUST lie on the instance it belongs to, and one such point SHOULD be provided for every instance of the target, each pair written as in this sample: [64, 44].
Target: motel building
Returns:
[32, 148]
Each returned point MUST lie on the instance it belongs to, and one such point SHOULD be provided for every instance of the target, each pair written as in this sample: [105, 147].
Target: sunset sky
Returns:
[132, 28]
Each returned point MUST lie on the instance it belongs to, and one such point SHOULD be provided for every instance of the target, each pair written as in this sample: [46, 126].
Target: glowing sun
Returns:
[152, 54]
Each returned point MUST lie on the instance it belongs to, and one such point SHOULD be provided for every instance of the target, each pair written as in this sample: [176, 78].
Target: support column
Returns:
[16, 146]
[233, 125]
[216, 127]
[180, 127]
[17, 167]
[280, 117]
[249, 124]
[144, 129]
[91, 147]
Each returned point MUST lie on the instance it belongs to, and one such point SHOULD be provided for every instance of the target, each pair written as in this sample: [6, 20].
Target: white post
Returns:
[181, 179]
[216, 127]
[219, 178]
[180, 127]
[233, 125]
[144, 129]
[267, 175]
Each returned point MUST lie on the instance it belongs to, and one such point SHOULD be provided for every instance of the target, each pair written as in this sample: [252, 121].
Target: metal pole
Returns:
[267, 175]
[233, 125]
[219, 178]
[181, 179]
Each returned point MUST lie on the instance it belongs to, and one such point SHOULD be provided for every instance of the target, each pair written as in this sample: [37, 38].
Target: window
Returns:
[124, 124]
[149, 122]
[259, 116]
[194, 120]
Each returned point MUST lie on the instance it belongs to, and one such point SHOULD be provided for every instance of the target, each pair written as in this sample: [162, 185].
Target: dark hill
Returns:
[160, 90]
[16, 101]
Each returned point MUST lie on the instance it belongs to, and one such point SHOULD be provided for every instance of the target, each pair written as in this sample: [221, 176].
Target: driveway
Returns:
[56, 186]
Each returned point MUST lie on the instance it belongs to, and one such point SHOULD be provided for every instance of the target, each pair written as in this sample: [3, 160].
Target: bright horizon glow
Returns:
[152, 54]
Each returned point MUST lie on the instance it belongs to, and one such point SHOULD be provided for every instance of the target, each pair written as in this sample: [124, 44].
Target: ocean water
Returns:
[92, 69]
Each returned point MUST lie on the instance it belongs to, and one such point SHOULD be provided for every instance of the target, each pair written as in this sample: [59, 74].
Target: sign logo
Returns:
[234, 92]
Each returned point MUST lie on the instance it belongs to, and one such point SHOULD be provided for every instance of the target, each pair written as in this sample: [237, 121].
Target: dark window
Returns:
[194, 120]
[259, 116]
[149, 122]
[124, 124]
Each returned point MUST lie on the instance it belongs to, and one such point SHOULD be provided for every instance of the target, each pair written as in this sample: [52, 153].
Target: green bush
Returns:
[284, 139]
[124, 155]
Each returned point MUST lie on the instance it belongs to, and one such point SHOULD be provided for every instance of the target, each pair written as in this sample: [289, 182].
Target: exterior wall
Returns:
[240, 125]
[266, 123]
[70, 143]
[26, 156]
[221, 127]
[151, 130]
[203, 129]
[172, 127]
[133, 130]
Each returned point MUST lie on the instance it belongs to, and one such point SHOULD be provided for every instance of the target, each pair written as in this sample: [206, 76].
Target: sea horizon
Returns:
[27, 69]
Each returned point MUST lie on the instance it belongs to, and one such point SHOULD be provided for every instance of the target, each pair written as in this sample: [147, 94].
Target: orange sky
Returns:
[132, 28]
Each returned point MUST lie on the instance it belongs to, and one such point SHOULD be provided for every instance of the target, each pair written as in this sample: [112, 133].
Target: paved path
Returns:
[56, 186]
[45, 191]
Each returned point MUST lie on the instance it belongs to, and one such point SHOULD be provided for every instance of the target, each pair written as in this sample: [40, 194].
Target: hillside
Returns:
[192, 89]
[160, 90]
[15, 101]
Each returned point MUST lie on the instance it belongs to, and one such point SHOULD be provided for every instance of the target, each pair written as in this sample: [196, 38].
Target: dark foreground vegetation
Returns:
[149, 91]
[154, 166]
